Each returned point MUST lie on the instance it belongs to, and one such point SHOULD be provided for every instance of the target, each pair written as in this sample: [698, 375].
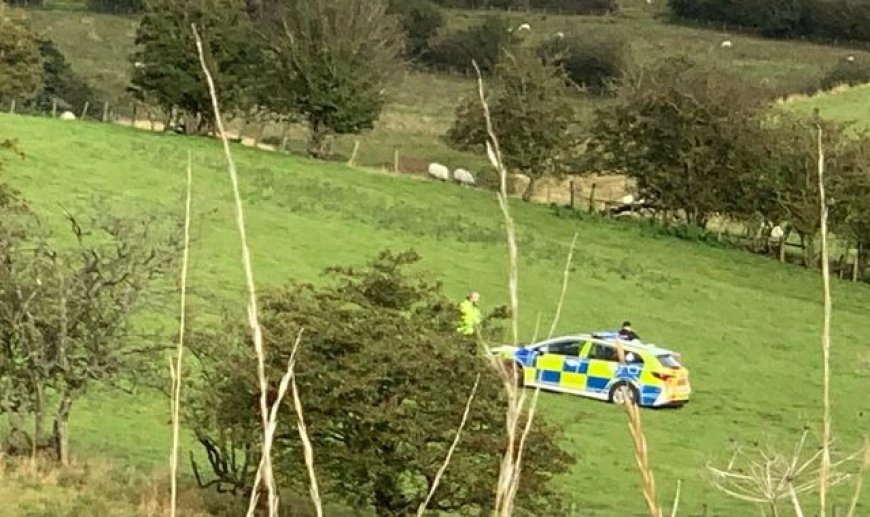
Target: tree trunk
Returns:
[530, 188]
[38, 420]
[809, 250]
[61, 435]
[319, 144]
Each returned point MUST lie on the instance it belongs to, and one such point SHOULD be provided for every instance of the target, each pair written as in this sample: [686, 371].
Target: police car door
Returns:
[557, 366]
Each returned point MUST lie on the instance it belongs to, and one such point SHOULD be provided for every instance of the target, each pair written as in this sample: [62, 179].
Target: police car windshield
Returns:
[668, 361]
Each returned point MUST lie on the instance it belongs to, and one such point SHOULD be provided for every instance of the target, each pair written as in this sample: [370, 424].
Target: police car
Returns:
[589, 365]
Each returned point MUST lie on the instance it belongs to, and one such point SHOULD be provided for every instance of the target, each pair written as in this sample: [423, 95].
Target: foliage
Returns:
[117, 6]
[61, 83]
[421, 20]
[849, 73]
[166, 67]
[561, 6]
[825, 19]
[337, 59]
[20, 64]
[65, 317]
[384, 377]
[484, 43]
[591, 61]
[680, 132]
[530, 115]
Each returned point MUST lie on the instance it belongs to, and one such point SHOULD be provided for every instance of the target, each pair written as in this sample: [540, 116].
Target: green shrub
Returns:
[847, 72]
[594, 62]
[821, 19]
[482, 43]
[117, 6]
[421, 20]
[562, 6]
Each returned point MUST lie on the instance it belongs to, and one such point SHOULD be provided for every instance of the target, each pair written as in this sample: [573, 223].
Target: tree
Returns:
[336, 59]
[530, 115]
[421, 20]
[20, 64]
[167, 68]
[66, 318]
[61, 83]
[484, 44]
[679, 131]
[384, 377]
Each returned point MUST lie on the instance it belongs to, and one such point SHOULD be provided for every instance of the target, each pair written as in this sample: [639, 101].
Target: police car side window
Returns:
[569, 348]
[603, 353]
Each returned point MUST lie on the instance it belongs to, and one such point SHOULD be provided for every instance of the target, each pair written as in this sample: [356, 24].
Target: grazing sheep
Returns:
[438, 171]
[560, 34]
[139, 64]
[463, 176]
[726, 44]
[524, 27]
[850, 59]
[627, 199]
[67, 115]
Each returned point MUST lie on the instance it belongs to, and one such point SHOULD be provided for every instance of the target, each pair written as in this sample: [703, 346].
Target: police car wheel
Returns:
[621, 392]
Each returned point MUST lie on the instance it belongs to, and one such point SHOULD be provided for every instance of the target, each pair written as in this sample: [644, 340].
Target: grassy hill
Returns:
[423, 104]
[748, 327]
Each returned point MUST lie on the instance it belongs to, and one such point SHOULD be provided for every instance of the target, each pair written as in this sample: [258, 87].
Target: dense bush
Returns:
[26, 3]
[421, 20]
[824, 19]
[849, 73]
[596, 63]
[562, 6]
[117, 6]
[482, 43]
[383, 377]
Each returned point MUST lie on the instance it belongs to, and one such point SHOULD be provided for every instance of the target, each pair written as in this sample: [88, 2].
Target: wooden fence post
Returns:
[12, 106]
[85, 110]
[53, 107]
[133, 117]
[105, 111]
[571, 194]
[592, 197]
[396, 160]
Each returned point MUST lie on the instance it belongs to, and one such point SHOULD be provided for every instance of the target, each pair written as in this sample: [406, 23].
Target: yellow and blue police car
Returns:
[589, 365]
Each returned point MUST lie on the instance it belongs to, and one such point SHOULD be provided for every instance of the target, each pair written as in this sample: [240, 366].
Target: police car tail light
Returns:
[662, 376]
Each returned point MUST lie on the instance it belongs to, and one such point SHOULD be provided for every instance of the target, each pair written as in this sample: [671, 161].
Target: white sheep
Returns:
[524, 27]
[627, 199]
[726, 44]
[560, 34]
[67, 115]
[850, 59]
[438, 171]
[463, 176]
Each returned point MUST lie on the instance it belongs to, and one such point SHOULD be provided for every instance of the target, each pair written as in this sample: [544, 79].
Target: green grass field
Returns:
[748, 327]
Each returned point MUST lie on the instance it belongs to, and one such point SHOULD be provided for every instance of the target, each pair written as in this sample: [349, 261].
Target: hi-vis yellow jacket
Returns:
[470, 317]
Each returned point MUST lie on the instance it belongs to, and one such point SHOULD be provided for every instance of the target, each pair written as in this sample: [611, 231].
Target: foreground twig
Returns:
[175, 371]
[641, 453]
[253, 319]
[452, 448]
[676, 506]
[564, 287]
[510, 468]
[308, 450]
[770, 477]
[826, 334]
[864, 465]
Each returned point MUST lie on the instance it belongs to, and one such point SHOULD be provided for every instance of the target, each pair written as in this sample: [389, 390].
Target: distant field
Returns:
[423, 104]
[748, 327]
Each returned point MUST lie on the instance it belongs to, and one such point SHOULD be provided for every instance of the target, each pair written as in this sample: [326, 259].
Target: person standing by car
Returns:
[470, 316]
[627, 333]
